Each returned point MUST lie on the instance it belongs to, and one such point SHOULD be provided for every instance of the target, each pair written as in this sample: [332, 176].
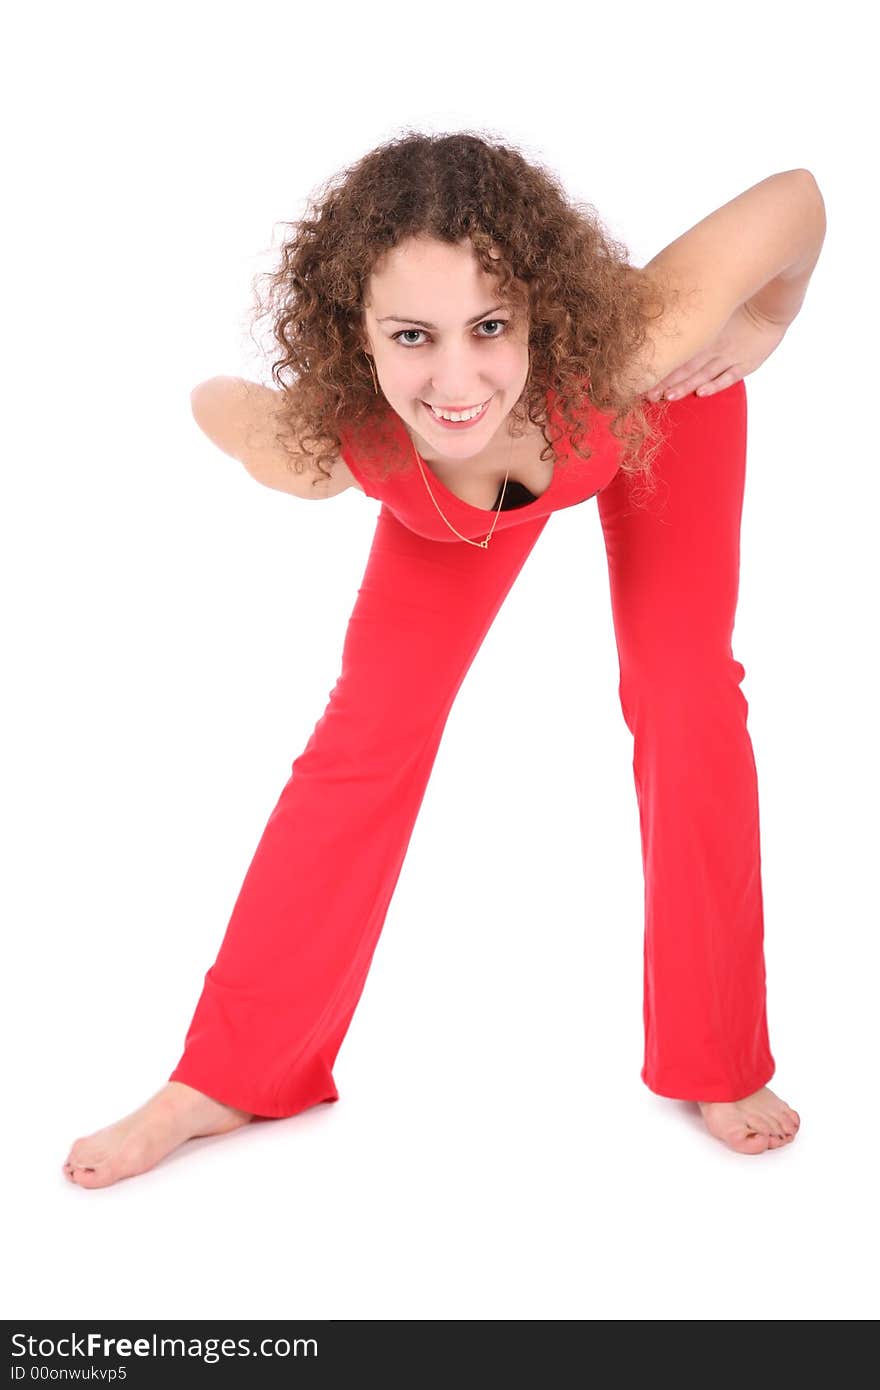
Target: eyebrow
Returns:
[399, 318]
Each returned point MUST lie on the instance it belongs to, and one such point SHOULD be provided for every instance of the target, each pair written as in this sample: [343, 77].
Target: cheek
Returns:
[399, 377]
[512, 359]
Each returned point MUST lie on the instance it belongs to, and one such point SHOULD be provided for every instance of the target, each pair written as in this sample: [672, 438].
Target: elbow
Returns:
[198, 397]
[204, 390]
[808, 177]
[209, 397]
[213, 409]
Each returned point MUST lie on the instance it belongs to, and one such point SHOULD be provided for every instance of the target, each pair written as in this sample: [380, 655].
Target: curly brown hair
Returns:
[588, 308]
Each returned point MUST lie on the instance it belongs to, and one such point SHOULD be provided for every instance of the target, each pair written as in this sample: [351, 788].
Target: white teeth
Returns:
[455, 415]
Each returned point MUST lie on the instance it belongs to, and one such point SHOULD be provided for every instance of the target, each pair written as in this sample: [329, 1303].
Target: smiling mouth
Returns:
[455, 409]
[478, 411]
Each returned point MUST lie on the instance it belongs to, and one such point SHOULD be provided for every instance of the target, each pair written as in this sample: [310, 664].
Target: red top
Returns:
[405, 494]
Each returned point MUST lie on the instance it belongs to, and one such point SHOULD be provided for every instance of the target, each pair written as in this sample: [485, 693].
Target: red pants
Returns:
[280, 996]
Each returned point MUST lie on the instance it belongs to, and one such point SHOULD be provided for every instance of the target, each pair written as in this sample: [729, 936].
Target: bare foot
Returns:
[751, 1125]
[141, 1139]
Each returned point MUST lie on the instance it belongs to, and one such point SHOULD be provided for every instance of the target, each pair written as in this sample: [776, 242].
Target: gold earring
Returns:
[372, 373]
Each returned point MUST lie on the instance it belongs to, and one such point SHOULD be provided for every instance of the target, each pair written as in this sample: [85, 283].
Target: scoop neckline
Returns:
[483, 511]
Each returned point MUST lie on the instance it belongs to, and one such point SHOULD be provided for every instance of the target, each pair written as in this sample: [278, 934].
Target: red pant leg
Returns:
[279, 998]
[674, 574]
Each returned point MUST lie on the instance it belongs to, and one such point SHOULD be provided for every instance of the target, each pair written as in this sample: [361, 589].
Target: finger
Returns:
[657, 392]
[720, 383]
[673, 391]
[685, 378]
[682, 388]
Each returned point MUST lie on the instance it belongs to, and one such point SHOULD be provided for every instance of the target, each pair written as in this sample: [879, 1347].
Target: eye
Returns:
[501, 323]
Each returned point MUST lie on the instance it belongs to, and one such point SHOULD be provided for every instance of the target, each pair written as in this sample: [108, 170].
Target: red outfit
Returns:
[404, 493]
[280, 996]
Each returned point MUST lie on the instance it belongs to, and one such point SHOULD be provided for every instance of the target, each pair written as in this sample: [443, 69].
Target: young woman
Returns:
[441, 310]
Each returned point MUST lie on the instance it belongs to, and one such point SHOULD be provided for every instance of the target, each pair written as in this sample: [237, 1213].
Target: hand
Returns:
[745, 341]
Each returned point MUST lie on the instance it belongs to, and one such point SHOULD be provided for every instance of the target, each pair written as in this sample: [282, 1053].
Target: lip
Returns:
[458, 424]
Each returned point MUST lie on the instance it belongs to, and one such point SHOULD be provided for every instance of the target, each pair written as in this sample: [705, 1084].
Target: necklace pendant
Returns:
[484, 544]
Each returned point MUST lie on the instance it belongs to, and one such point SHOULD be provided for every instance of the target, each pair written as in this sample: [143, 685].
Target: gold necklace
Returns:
[484, 544]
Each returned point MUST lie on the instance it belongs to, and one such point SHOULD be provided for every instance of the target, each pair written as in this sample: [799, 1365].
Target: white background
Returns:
[172, 632]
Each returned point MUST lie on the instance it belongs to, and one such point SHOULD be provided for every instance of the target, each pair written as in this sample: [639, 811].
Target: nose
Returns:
[455, 383]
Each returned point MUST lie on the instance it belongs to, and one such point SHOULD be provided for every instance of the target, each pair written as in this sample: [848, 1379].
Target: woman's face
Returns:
[469, 356]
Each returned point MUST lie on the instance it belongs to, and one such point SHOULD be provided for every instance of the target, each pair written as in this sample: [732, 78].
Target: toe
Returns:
[84, 1155]
[100, 1174]
[751, 1143]
[772, 1122]
[80, 1162]
[94, 1177]
[83, 1177]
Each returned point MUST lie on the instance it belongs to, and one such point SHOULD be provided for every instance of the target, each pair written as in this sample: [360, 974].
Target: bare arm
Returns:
[242, 418]
[759, 248]
[780, 299]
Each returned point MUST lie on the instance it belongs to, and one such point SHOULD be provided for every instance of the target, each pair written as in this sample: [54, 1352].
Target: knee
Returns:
[682, 689]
